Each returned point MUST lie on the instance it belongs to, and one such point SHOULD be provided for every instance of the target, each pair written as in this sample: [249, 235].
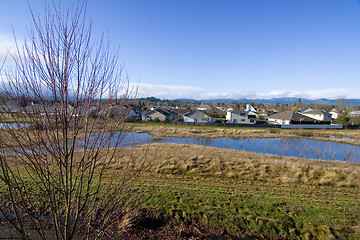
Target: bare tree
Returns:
[63, 165]
[341, 104]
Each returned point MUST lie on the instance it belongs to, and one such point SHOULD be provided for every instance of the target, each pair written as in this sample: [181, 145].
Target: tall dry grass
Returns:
[341, 136]
[205, 162]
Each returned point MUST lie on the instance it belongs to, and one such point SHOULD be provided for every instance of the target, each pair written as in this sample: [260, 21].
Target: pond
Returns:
[291, 147]
[14, 125]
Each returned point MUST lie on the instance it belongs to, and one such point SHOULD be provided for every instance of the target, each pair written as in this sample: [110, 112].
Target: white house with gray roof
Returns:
[320, 115]
[203, 107]
[239, 116]
[197, 116]
[159, 115]
[286, 117]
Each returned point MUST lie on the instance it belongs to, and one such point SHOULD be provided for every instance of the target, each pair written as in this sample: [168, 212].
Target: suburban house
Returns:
[355, 113]
[252, 114]
[198, 116]
[334, 114]
[9, 109]
[268, 112]
[127, 113]
[217, 113]
[181, 112]
[203, 107]
[50, 110]
[239, 116]
[308, 109]
[286, 117]
[13, 109]
[320, 115]
[116, 111]
[160, 115]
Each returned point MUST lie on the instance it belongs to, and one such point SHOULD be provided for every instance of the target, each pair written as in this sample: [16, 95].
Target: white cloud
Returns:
[181, 91]
[330, 93]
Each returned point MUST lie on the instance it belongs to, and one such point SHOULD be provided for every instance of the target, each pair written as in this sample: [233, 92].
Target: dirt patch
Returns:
[150, 226]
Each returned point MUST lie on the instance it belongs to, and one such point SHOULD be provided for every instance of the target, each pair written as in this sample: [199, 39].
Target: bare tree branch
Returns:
[60, 165]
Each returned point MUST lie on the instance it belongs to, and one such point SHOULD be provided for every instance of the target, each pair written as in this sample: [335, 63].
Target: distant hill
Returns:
[284, 100]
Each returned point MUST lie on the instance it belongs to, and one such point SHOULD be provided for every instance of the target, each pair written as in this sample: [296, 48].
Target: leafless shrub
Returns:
[60, 167]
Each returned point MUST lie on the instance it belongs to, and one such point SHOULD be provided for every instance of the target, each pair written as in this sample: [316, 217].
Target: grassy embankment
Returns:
[211, 191]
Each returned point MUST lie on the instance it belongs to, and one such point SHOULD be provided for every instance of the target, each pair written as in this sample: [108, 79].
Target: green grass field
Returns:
[261, 210]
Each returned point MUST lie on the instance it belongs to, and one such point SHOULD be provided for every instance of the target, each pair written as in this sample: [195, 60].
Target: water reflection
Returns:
[14, 125]
[293, 147]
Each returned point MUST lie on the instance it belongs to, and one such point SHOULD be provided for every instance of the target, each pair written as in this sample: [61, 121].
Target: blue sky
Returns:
[205, 49]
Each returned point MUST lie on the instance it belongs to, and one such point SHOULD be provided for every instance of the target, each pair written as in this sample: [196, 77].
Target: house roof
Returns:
[196, 113]
[161, 111]
[250, 108]
[10, 106]
[203, 105]
[181, 111]
[354, 113]
[290, 115]
[320, 112]
[238, 111]
[122, 111]
[306, 110]
[4, 108]
[167, 112]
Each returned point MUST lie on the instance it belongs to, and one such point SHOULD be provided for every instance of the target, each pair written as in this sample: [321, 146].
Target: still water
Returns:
[292, 147]
[14, 125]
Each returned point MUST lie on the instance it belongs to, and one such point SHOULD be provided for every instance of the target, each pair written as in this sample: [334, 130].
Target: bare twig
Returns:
[60, 166]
